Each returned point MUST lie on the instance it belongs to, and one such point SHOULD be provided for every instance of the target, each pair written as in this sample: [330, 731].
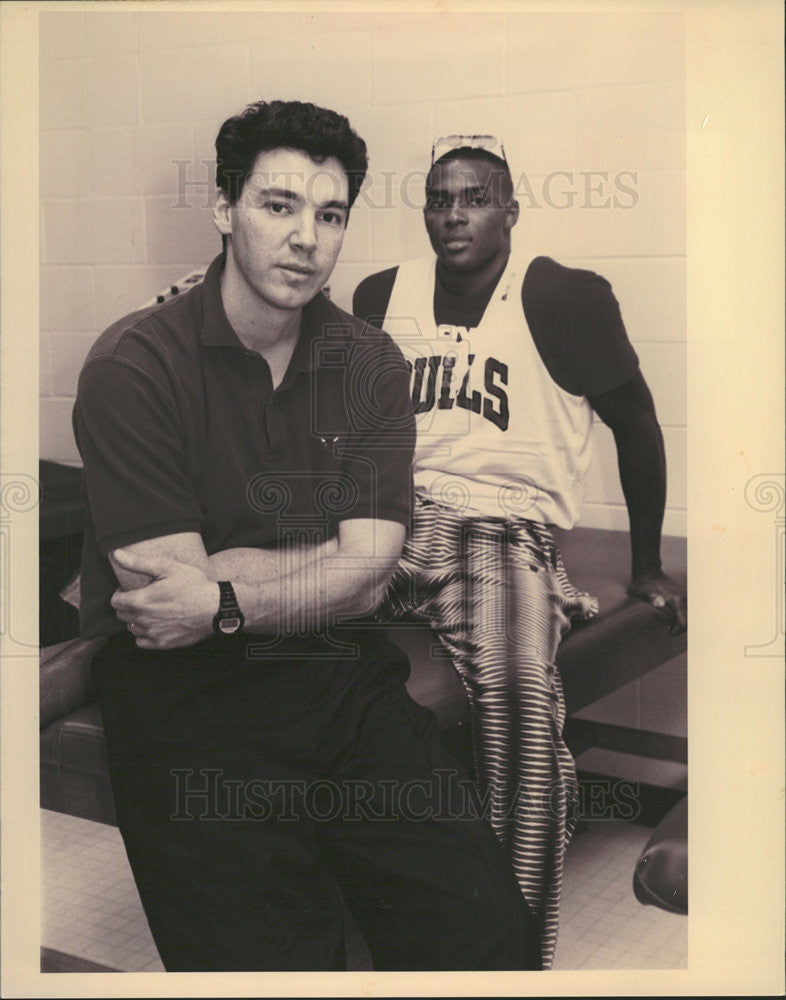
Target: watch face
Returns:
[229, 624]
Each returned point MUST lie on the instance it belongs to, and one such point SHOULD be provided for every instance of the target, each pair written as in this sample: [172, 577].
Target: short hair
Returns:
[264, 126]
[475, 153]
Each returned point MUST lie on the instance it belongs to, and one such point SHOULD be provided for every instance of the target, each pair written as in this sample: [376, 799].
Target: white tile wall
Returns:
[65, 167]
[540, 133]
[45, 366]
[669, 42]
[56, 439]
[582, 212]
[344, 280]
[203, 151]
[575, 51]
[400, 147]
[344, 59]
[142, 159]
[175, 84]
[113, 161]
[182, 234]
[118, 102]
[124, 95]
[67, 298]
[615, 518]
[637, 127]
[444, 56]
[356, 248]
[112, 32]
[61, 35]
[119, 289]
[664, 193]
[84, 231]
[167, 30]
[467, 116]
[208, 27]
[604, 505]
[68, 353]
[62, 92]
[398, 234]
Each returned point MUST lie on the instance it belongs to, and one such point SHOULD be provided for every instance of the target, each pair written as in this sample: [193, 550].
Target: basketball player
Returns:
[510, 357]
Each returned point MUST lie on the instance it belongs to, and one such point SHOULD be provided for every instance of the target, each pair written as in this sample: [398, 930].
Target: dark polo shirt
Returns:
[180, 429]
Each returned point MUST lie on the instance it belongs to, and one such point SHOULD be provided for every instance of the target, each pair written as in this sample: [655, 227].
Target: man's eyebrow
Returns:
[336, 203]
[287, 195]
[277, 192]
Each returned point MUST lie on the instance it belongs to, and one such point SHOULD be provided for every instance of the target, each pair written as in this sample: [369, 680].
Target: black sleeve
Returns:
[577, 327]
[378, 452]
[371, 298]
[629, 411]
[126, 429]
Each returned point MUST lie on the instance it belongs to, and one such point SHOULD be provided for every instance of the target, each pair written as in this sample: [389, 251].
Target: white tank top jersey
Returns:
[496, 435]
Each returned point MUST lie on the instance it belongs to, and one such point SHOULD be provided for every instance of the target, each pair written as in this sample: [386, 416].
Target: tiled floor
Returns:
[90, 905]
[91, 908]
[603, 926]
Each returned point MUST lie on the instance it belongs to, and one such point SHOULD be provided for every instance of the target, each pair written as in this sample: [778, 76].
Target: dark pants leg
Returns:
[225, 885]
[422, 871]
[219, 767]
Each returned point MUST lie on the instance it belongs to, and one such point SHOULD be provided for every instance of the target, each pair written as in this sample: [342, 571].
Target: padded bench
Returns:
[661, 875]
[627, 640]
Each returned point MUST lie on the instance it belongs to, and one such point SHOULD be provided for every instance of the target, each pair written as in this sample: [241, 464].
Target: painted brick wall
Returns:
[590, 105]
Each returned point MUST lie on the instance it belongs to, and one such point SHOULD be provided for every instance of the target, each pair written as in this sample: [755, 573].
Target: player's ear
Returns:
[221, 214]
[511, 214]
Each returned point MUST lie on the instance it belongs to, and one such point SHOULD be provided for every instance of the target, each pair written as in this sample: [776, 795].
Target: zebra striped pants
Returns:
[497, 594]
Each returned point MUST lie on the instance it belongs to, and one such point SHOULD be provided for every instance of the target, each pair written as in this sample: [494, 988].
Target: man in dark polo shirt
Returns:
[247, 453]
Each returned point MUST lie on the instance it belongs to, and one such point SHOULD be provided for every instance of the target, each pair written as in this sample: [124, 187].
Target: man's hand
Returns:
[175, 609]
[664, 594]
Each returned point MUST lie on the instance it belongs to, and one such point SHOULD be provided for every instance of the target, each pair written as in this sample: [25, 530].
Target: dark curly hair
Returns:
[263, 126]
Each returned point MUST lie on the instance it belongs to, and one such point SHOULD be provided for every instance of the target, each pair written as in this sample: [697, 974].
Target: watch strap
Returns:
[227, 600]
[229, 618]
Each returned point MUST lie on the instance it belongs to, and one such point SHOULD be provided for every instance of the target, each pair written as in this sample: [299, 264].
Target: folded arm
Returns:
[248, 565]
[168, 589]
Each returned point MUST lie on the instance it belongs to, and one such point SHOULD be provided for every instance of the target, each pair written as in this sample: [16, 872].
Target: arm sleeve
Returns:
[577, 326]
[629, 411]
[371, 298]
[377, 457]
[128, 434]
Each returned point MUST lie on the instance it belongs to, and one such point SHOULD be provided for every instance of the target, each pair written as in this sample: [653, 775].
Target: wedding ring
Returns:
[131, 627]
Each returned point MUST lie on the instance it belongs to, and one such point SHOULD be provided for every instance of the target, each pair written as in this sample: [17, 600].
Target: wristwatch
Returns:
[229, 618]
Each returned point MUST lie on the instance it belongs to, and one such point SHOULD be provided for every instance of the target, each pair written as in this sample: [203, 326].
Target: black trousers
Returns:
[259, 794]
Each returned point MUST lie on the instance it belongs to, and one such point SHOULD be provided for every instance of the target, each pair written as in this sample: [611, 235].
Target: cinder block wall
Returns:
[590, 106]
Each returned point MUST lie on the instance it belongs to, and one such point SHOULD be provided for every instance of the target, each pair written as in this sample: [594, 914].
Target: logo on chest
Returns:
[453, 376]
